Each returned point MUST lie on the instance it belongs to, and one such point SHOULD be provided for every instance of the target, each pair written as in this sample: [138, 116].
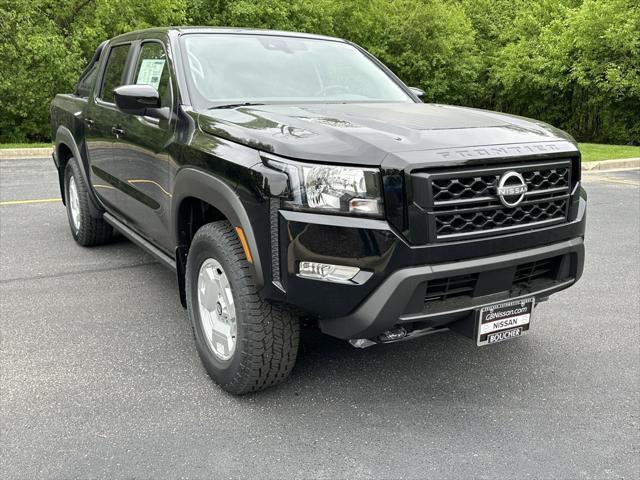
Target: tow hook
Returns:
[396, 334]
[393, 335]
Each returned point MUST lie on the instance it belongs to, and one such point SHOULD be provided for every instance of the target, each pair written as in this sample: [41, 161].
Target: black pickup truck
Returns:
[288, 176]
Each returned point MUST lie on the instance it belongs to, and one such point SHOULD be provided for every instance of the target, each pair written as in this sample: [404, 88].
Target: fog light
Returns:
[325, 271]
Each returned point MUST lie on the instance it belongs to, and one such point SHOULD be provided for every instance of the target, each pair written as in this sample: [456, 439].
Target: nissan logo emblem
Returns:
[511, 189]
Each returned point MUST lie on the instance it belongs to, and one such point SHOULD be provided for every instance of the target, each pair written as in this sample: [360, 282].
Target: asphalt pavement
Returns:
[100, 377]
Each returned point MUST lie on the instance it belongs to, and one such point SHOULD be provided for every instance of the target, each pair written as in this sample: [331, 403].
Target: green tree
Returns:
[428, 43]
[574, 66]
[45, 44]
[36, 61]
[601, 48]
[573, 63]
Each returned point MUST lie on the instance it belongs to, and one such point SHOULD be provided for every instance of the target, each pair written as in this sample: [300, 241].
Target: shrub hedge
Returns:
[573, 63]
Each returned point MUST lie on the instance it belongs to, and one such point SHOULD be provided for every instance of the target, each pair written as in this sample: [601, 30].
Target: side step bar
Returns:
[165, 259]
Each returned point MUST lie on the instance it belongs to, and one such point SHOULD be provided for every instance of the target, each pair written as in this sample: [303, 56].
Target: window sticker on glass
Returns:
[150, 72]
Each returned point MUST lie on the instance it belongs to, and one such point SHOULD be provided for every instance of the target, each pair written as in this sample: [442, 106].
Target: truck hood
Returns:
[366, 133]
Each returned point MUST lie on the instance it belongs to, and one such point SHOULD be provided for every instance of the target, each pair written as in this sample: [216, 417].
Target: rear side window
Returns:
[152, 69]
[113, 74]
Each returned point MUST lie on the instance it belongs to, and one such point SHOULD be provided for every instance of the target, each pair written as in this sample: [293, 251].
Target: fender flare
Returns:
[195, 183]
[66, 138]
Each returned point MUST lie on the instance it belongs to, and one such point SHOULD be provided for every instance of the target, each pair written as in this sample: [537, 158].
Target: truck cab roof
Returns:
[182, 30]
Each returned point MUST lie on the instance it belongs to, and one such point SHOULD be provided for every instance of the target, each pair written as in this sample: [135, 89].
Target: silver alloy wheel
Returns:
[217, 310]
[74, 203]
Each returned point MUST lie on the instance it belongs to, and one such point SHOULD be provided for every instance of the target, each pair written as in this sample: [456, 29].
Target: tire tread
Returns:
[93, 231]
[272, 333]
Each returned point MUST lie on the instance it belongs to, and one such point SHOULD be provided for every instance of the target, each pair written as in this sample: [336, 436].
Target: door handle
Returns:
[117, 131]
[89, 122]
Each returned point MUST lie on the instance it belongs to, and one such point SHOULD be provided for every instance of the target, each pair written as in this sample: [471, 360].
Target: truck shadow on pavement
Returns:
[443, 366]
[440, 367]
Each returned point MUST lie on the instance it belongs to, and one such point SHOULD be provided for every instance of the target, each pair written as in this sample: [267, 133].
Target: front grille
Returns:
[479, 186]
[477, 220]
[465, 203]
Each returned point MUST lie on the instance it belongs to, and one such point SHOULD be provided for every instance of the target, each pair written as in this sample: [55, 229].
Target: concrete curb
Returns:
[606, 165]
[25, 152]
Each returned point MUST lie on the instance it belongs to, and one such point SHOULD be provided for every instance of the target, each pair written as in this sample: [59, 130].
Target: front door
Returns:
[141, 160]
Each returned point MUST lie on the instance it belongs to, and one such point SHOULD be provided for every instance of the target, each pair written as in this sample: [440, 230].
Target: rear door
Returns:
[141, 162]
[100, 119]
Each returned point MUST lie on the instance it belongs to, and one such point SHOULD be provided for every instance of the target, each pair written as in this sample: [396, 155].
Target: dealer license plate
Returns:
[504, 321]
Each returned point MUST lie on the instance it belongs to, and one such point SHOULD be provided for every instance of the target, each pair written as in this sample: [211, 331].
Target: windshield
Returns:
[232, 68]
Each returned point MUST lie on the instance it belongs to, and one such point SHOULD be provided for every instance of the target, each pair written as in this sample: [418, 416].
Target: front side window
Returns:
[113, 74]
[152, 69]
[227, 68]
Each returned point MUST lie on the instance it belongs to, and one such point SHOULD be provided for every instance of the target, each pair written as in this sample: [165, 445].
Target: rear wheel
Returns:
[86, 230]
[245, 343]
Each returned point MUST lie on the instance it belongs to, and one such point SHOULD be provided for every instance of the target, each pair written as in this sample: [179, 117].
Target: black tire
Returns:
[90, 231]
[267, 336]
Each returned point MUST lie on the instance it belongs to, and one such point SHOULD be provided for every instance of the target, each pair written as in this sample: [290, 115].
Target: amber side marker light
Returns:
[245, 245]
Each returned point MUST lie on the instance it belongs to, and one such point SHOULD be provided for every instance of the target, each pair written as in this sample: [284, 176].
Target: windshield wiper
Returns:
[234, 105]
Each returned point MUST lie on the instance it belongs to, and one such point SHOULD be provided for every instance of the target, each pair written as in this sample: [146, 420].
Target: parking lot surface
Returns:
[100, 377]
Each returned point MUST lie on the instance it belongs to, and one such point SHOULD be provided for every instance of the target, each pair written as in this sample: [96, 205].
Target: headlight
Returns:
[335, 189]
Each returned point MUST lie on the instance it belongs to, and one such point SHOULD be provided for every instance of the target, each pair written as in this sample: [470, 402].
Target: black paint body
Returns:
[145, 171]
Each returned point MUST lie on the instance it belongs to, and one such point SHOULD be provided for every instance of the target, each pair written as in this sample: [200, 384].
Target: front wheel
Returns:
[245, 343]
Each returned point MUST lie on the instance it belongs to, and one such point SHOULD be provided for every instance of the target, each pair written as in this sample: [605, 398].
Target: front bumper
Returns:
[394, 294]
[390, 305]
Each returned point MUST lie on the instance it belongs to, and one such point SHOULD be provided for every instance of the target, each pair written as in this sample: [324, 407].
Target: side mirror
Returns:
[418, 92]
[136, 99]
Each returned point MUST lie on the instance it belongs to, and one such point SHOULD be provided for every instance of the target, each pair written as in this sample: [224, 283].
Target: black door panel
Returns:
[140, 152]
